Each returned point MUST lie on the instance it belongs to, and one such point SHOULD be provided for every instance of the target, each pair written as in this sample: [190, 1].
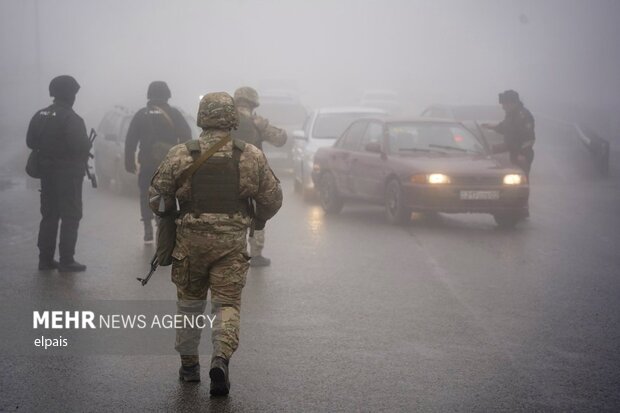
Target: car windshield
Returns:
[478, 113]
[283, 113]
[423, 137]
[332, 125]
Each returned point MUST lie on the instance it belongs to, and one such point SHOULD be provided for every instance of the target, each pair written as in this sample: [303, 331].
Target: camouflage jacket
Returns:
[256, 180]
[267, 133]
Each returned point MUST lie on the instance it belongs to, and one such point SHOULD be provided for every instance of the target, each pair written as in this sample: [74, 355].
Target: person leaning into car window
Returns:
[517, 129]
[157, 128]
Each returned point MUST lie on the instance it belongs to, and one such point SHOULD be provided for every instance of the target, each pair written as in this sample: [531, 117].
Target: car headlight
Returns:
[513, 179]
[437, 179]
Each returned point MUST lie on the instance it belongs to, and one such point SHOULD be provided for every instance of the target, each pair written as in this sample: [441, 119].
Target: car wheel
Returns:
[103, 181]
[331, 201]
[507, 221]
[119, 185]
[296, 185]
[395, 209]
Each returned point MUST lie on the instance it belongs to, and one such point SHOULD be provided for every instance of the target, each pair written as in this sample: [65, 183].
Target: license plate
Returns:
[480, 195]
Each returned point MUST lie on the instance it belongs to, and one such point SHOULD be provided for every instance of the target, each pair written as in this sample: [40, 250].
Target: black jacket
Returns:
[518, 129]
[150, 126]
[59, 134]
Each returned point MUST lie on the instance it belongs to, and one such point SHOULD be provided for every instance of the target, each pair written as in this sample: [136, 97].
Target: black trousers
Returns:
[61, 203]
[144, 182]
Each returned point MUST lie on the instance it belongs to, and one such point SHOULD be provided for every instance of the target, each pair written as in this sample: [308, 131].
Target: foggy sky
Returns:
[428, 51]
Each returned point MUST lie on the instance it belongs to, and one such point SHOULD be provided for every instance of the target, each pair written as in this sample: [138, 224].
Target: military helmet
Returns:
[509, 96]
[248, 95]
[217, 111]
[64, 87]
[158, 90]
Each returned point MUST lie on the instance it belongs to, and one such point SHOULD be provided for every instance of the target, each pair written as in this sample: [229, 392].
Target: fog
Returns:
[552, 52]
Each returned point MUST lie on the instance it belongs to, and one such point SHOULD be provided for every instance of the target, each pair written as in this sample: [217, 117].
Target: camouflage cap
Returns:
[217, 111]
[247, 94]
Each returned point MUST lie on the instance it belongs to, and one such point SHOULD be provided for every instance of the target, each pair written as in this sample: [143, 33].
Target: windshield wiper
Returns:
[420, 150]
[453, 148]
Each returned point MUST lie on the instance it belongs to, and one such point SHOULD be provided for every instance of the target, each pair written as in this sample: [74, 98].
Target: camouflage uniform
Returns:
[255, 130]
[210, 251]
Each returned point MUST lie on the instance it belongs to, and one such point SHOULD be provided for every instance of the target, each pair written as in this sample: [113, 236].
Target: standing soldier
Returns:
[255, 130]
[58, 135]
[215, 181]
[157, 128]
[518, 130]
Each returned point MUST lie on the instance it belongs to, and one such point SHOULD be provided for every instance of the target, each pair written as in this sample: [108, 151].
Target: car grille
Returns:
[476, 180]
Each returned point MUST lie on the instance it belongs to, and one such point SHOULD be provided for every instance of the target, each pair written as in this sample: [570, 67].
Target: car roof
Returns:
[421, 120]
[351, 109]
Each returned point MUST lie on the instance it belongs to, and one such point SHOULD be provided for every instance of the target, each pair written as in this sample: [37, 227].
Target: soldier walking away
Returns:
[255, 130]
[58, 135]
[216, 181]
[517, 129]
[156, 128]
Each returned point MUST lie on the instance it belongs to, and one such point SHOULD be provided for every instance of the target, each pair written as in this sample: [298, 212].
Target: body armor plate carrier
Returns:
[215, 185]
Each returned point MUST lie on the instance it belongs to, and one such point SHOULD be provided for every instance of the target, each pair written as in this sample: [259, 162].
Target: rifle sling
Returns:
[189, 172]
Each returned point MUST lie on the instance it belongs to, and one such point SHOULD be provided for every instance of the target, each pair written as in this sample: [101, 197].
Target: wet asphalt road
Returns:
[357, 315]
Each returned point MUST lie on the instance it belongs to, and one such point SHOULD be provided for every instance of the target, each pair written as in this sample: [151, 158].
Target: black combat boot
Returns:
[260, 261]
[220, 385]
[190, 373]
[148, 231]
[71, 266]
[48, 265]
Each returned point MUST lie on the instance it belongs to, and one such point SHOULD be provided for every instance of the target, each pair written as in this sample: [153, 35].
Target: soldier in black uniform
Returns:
[59, 136]
[156, 128]
[517, 129]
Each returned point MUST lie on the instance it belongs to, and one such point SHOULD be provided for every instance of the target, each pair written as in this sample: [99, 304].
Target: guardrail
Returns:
[597, 146]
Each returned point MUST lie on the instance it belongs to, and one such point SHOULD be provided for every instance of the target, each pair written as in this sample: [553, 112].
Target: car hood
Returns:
[454, 165]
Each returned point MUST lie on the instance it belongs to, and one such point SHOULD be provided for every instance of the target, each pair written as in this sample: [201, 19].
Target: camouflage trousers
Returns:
[215, 262]
[257, 243]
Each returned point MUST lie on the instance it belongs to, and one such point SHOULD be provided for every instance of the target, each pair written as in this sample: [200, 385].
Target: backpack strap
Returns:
[189, 172]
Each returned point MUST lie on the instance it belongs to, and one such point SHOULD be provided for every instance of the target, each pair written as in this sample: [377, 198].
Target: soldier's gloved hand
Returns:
[259, 224]
[130, 167]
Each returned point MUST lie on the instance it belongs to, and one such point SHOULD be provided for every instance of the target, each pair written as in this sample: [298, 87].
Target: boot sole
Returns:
[189, 378]
[218, 382]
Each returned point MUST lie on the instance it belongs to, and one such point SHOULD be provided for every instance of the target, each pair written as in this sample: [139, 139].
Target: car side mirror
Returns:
[374, 147]
[112, 137]
[299, 134]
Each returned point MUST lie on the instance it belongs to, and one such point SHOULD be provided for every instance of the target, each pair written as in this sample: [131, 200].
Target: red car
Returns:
[423, 165]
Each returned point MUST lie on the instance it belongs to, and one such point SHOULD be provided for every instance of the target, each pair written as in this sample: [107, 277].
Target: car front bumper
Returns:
[447, 198]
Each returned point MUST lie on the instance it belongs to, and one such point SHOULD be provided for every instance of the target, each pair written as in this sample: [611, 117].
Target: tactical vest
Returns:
[247, 131]
[215, 185]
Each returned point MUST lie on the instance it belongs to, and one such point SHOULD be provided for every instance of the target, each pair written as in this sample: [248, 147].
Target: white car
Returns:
[387, 100]
[322, 128]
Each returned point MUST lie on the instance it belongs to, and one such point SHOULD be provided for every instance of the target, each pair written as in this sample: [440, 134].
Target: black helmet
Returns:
[64, 87]
[509, 96]
[158, 90]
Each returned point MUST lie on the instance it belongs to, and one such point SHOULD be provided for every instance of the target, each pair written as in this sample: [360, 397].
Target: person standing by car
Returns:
[58, 135]
[156, 128]
[255, 130]
[517, 129]
[213, 179]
